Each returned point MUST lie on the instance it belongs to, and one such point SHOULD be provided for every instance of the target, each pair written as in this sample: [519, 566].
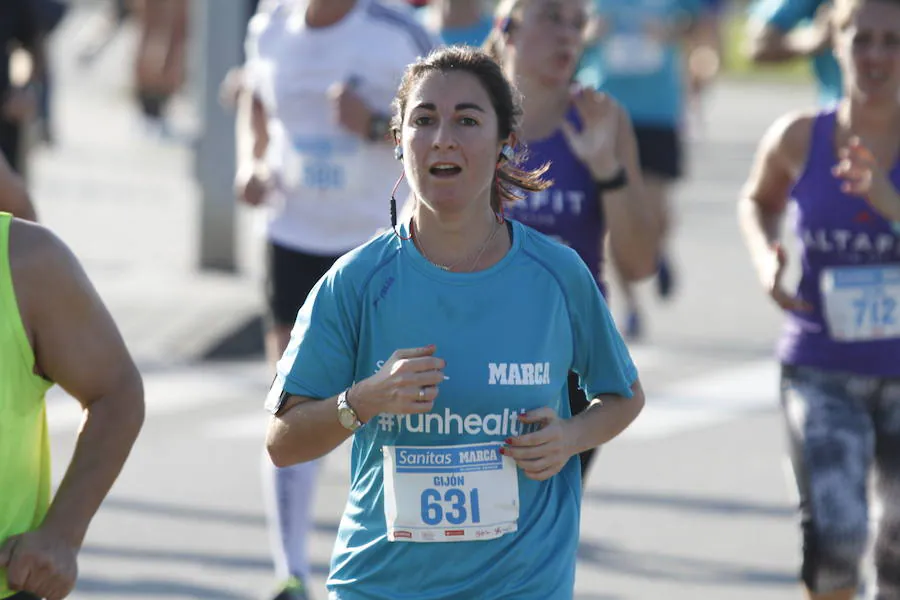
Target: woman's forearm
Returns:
[633, 235]
[605, 418]
[761, 229]
[304, 430]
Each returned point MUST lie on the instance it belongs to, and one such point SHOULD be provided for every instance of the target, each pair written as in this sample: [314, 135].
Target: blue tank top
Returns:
[850, 262]
[570, 210]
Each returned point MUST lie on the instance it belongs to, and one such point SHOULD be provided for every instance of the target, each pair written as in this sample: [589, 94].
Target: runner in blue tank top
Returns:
[444, 349]
[840, 348]
[586, 139]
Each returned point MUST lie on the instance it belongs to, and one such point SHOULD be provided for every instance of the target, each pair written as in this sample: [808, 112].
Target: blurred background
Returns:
[133, 167]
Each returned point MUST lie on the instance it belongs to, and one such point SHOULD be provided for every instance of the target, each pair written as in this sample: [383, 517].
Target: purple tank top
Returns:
[569, 211]
[836, 232]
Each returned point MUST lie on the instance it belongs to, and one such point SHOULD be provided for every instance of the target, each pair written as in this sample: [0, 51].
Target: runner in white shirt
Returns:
[312, 145]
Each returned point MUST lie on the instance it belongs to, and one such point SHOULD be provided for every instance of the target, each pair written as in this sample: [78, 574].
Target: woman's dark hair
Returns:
[510, 180]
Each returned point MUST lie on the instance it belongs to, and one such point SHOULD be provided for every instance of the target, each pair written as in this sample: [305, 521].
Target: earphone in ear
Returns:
[507, 152]
[398, 152]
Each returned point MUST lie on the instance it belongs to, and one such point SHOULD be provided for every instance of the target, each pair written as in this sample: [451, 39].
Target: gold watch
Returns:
[347, 417]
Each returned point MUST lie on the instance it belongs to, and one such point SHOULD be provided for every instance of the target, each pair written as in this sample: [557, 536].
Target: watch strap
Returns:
[277, 396]
[617, 181]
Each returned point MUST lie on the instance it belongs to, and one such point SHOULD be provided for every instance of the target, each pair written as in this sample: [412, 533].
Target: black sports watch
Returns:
[617, 181]
[379, 127]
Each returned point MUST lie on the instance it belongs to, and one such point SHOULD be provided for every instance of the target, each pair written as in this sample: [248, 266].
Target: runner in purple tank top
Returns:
[840, 348]
[586, 138]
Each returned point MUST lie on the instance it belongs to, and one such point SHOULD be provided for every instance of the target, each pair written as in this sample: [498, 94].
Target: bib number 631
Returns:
[454, 506]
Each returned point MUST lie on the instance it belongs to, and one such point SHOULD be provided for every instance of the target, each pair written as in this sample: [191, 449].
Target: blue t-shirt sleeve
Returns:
[320, 359]
[601, 358]
[784, 14]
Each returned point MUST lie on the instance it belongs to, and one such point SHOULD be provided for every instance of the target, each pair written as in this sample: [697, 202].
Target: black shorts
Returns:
[23, 596]
[660, 151]
[290, 277]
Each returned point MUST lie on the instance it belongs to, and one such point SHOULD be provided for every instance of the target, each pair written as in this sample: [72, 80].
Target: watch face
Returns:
[346, 417]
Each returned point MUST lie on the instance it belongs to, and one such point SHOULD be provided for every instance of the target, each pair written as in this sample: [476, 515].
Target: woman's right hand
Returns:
[595, 144]
[772, 268]
[252, 189]
[406, 384]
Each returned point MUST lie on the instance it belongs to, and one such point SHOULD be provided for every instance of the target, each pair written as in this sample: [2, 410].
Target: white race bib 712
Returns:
[862, 303]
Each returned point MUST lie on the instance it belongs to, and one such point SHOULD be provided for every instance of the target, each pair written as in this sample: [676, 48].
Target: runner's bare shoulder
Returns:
[788, 139]
[44, 270]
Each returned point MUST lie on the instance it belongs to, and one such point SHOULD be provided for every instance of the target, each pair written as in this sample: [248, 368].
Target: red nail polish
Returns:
[509, 441]
[502, 449]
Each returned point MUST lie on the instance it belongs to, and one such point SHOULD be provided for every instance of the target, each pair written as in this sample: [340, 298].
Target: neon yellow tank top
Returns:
[24, 442]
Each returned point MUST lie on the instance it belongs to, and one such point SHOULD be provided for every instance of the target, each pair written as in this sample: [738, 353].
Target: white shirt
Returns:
[332, 188]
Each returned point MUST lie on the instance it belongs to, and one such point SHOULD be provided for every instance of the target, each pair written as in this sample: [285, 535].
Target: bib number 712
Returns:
[876, 310]
[454, 506]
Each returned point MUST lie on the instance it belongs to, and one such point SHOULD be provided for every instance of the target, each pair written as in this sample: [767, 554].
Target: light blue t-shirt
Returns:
[473, 35]
[509, 335]
[633, 66]
[788, 14]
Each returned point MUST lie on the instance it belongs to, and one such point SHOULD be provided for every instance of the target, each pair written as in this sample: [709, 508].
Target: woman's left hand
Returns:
[595, 144]
[862, 176]
[543, 453]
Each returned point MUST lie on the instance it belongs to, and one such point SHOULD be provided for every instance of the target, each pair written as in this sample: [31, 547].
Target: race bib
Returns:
[449, 493]
[323, 164]
[633, 54]
[862, 303]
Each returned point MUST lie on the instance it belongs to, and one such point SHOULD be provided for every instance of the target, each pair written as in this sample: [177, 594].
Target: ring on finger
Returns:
[421, 393]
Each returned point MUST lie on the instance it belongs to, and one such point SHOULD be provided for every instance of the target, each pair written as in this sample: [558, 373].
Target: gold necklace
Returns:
[459, 262]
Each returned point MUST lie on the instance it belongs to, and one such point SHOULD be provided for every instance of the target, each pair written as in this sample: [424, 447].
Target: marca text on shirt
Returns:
[519, 373]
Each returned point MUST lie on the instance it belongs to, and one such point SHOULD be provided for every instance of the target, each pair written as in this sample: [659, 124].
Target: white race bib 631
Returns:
[862, 303]
[449, 493]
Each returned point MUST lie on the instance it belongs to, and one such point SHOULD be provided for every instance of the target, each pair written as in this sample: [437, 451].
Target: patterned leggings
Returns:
[844, 428]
